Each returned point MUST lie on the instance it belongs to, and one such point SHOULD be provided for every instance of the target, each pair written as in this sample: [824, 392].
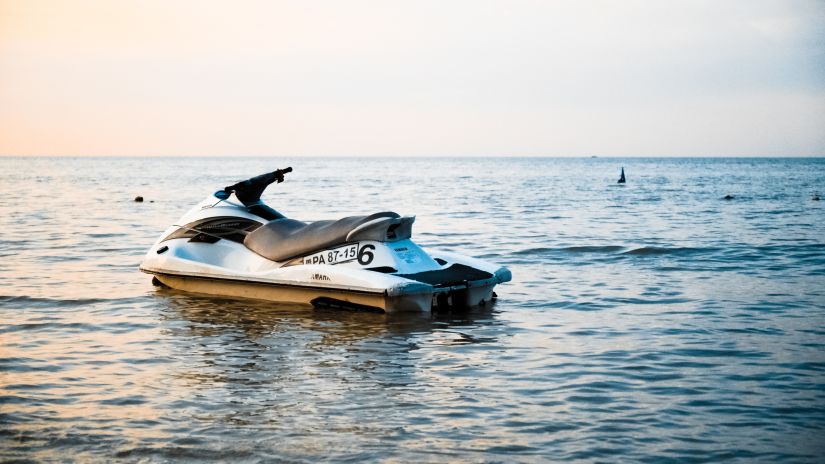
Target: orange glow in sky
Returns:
[461, 77]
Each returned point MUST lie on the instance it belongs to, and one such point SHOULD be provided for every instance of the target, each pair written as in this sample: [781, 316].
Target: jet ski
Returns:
[232, 244]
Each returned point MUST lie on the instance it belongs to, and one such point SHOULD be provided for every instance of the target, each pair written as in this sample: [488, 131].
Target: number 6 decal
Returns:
[365, 256]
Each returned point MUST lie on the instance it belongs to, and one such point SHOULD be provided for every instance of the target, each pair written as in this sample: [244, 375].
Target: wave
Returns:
[610, 249]
[681, 251]
[641, 301]
[27, 301]
[593, 249]
[719, 258]
[572, 249]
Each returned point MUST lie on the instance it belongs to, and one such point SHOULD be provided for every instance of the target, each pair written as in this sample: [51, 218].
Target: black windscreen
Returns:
[212, 229]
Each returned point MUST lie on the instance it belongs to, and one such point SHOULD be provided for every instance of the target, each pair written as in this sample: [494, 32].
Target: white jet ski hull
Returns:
[183, 266]
[222, 247]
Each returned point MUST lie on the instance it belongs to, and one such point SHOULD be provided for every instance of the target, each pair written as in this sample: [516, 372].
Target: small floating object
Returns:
[139, 199]
[621, 178]
[815, 197]
[728, 197]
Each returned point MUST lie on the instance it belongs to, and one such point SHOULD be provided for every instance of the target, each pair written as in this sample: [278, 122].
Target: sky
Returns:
[412, 78]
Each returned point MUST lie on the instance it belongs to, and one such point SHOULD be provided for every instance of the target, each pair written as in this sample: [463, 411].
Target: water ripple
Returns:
[647, 323]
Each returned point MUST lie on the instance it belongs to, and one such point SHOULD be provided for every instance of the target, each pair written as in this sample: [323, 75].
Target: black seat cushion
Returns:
[283, 239]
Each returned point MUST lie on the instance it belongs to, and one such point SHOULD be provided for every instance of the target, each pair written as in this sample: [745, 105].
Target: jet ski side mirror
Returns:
[222, 195]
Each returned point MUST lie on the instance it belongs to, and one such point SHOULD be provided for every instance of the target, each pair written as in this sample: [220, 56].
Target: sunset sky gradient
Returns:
[453, 78]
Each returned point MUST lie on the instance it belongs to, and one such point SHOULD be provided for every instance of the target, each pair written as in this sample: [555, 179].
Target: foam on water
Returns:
[653, 321]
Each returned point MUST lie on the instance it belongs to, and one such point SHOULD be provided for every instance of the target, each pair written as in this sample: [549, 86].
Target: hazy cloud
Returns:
[738, 77]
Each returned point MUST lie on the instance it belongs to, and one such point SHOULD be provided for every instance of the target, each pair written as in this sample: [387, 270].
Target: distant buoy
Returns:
[621, 178]
[728, 197]
[139, 199]
[815, 197]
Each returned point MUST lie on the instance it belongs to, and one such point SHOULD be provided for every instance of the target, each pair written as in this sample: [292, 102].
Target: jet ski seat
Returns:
[282, 239]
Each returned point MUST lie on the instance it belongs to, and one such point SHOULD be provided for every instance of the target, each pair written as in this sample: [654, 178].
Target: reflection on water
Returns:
[648, 322]
[202, 364]
[317, 376]
[226, 341]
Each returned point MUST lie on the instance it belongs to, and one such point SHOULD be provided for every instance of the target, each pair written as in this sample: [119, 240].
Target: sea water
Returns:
[654, 321]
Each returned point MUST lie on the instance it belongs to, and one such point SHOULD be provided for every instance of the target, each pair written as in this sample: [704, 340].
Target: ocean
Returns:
[651, 322]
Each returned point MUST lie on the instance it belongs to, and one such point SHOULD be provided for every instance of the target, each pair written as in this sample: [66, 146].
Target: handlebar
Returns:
[249, 191]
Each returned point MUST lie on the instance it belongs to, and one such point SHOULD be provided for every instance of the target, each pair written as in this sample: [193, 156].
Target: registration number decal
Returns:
[334, 255]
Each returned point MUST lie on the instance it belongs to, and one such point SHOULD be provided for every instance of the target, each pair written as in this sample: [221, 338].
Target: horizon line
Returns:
[4, 155]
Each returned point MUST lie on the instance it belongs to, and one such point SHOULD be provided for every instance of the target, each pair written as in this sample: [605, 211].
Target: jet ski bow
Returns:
[232, 244]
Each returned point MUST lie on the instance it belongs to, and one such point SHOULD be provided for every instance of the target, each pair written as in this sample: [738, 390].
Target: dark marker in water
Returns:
[728, 197]
[621, 178]
[139, 199]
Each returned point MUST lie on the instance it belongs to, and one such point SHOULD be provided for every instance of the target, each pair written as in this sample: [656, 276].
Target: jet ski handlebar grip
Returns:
[249, 191]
